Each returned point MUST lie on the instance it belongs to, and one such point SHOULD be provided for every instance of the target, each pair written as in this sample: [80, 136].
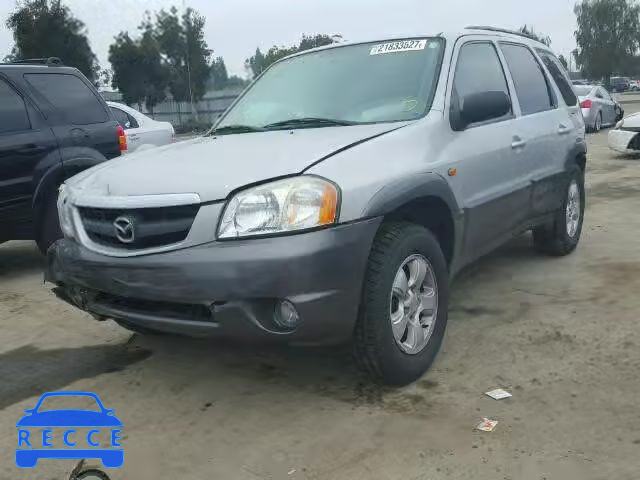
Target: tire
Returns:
[49, 225]
[555, 238]
[376, 348]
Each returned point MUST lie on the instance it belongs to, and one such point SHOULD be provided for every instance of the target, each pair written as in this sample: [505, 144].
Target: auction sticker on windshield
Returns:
[401, 46]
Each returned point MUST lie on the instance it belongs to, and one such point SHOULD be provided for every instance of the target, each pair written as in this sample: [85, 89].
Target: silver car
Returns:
[598, 107]
[336, 199]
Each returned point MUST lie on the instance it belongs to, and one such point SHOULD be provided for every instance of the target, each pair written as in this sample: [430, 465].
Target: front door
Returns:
[486, 178]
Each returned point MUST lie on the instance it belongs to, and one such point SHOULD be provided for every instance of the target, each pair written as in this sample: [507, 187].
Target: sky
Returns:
[235, 28]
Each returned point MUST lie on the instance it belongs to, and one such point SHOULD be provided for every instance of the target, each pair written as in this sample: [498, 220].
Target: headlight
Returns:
[619, 124]
[65, 213]
[283, 206]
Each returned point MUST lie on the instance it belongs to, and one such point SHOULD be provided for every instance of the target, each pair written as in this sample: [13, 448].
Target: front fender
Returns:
[400, 192]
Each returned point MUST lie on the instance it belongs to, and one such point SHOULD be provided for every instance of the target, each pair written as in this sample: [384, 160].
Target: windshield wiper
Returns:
[229, 129]
[309, 122]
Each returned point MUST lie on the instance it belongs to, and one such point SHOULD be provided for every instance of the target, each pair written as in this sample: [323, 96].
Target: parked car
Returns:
[619, 84]
[580, 82]
[624, 138]
[634, 85]
[53, 124]
[142, 132]
[599, 109]
[336, 199]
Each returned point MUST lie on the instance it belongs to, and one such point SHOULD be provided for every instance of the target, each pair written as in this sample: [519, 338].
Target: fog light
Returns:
[286, 315]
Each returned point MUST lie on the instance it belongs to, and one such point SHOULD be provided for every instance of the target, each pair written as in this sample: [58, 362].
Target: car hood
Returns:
[69, 418]
[212, 167]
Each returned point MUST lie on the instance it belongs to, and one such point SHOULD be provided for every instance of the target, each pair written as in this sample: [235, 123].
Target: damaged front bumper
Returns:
[228, 288]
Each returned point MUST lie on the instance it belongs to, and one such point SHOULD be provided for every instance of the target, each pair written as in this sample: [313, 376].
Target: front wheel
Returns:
[403, 314]
[561, 236]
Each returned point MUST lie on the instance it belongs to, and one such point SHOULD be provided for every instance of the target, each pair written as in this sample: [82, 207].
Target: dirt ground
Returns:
[561, 334]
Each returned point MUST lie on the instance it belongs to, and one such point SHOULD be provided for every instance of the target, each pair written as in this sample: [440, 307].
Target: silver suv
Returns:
[335, 199]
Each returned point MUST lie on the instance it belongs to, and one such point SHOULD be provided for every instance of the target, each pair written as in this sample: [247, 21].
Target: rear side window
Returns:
[70, 96]
[124, 119]
[13, 112]
[560, 76]
[121, 117]
[478, 70]
[528, 78]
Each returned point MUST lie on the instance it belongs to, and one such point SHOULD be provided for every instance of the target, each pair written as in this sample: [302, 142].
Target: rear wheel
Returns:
[403, 313]
[561, 236]
[48, 230]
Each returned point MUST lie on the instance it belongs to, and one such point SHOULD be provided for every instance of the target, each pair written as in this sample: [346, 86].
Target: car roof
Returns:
[36, 68]
[451, 36]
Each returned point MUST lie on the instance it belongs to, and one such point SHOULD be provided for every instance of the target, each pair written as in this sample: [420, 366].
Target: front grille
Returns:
[150, 227]
[169, 310]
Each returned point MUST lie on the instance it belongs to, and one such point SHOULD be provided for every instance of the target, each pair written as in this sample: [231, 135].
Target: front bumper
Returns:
[226, 288]
[621, 141]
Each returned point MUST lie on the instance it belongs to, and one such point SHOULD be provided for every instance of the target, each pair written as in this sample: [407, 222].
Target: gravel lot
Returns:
[561, 334]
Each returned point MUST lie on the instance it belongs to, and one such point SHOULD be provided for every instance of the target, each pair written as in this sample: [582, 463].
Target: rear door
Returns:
[25, 143]
[541, 125]
[84, 119]
[608, 107]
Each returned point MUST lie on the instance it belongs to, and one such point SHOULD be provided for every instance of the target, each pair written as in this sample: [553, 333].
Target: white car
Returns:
[624, 138]
[141, 131]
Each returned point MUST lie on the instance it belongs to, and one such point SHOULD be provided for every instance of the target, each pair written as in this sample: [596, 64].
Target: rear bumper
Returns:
[620, 140]
[226, 288]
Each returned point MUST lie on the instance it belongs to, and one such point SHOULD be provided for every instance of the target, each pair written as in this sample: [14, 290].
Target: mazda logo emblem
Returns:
[124, 229]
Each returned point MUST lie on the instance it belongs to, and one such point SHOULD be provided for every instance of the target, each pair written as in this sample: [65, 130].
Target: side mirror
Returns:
[483, 106]
[127, 125]
[28, 410]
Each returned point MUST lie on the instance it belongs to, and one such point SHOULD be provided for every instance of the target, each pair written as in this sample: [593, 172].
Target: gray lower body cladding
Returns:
[226, 288]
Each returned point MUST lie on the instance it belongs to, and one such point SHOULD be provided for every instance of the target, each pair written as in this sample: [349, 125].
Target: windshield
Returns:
[582, 91]
[365, 83]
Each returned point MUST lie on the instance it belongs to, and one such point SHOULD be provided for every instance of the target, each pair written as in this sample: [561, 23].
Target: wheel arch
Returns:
[426, 200]
[51, 175]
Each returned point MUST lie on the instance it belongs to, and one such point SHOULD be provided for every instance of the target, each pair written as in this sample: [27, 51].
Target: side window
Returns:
[132, 121]
[529, 79]
[70, 96]
[560, 76]
[121, 117]
[13, 112]
[478, 70]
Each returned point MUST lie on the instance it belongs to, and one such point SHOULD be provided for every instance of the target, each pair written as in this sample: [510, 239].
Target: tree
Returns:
[529, 32]
[219, 76]
[255, 64]
[46, 28]
[259, 62]
[607, 35]
[138, 72]
[564, 62]
[184, 51]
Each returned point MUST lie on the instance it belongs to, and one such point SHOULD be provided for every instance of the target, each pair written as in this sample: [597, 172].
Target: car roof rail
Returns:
[503, 30]
[49, 61]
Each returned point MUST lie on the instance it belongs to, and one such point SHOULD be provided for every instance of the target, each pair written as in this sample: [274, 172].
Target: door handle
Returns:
[563, 129]
[518, 143]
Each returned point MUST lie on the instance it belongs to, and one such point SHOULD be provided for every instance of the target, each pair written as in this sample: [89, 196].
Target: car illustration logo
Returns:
[40, 428]
[124, 228]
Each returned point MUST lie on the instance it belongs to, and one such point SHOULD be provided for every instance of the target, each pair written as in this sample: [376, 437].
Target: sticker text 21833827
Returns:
[400, 46]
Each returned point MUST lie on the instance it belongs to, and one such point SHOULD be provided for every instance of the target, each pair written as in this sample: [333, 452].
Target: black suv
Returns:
[53, 124]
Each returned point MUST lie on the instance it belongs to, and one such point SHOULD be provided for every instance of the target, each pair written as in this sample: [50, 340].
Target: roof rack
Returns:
[39, 61]
[502, 30]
